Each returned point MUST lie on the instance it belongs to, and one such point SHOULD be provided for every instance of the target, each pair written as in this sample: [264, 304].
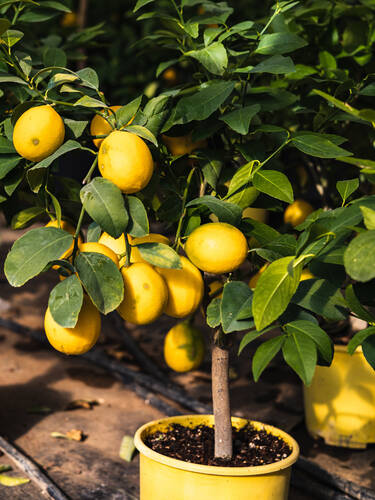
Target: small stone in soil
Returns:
[251, 447]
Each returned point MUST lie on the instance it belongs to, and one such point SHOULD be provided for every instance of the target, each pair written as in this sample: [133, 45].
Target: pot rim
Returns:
[212, 469]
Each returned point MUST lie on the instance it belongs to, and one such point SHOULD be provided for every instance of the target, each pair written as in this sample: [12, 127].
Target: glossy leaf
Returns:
[31, 253]
[65, 301]
[279, 43]
[275, 65]
[22, 219]
[160, 255]
[275, 184]
[101, 279]
[235, 295]
[213, 57]
[126, 113]
[225, 211]
[104, 203]
[316, 334]
[359, 257]
[239, 119]
[264, 355]
[300, 354]
[356, 307]
[346, 188]
[213, 313]
[138, 220]
[368, 348]
[368, 217]
[319, 146]
[359, 338]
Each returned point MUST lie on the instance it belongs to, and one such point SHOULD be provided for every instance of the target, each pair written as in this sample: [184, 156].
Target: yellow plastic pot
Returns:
[164, 478]
[340, 402]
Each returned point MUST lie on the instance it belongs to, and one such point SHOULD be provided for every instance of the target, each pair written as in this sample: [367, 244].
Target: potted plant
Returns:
[190, 159]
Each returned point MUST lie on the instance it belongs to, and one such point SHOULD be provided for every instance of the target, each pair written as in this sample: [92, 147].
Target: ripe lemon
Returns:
[100, 126]
[38, 133]
[259, 214]
[297, 212]
[99, 248]
[254, 279]
[306, 274]
[170, 76]
[118, 245]
[79, 339]
[150, 238]
[145, 294]
[69, 20]
[183, 348]
[66, 226]
[216, 247]
[126, 160]
[182, 145]
[185, 289]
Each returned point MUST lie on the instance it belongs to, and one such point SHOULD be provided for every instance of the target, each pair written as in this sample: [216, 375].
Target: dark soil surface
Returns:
[38, 385]
[251, 447]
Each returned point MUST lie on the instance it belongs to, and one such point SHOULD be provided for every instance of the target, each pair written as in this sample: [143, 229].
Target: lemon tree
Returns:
[250, 124]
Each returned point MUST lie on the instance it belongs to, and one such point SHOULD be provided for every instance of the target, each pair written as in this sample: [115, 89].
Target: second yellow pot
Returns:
[165, 478]
[340, 402]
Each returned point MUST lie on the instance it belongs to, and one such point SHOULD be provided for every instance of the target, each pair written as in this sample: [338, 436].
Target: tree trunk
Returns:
[221, 401]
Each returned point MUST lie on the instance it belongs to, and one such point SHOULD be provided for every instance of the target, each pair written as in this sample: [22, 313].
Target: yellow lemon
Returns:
[183, 348]
[100, 126]
[145, 294]
[259, 214]
[126, 160]
[79, 339]
[255, 277]
[99, 248]
[65, 226]
[182, 145]
[185, 289]
[306, 274]
[216, 247]
[116, 244]
[69, 20]
[150, 238]
[297, 212]
[170, 76]
[38, 133]
[215, 286]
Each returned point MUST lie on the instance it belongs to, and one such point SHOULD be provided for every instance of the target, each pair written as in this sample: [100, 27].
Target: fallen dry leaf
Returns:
[82, 404]
[73, 435]
[127, 448]
[12, 481]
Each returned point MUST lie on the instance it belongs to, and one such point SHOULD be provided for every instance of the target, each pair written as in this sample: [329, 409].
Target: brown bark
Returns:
[221, 402]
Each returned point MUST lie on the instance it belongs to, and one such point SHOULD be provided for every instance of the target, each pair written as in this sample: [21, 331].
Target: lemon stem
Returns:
[184, 198]
[78, 229]
[220, 397]
[128, 250]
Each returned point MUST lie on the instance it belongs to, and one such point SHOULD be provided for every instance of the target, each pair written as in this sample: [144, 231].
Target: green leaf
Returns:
[138, 220]
[214, 57]
[94, 232]
[246, 310]
[261, 232]
[239, 119]
[200, 105]
[273, 292]
[300, 353]
[89, 102]
[344, 106]
[213, 313]
[5, 78]
[104, 203]
[264, 355]
[368, 217]
[316, 334]
[279, 43]
[4, 25]
[8, 163]
[53, 56]
[127, 112]
[31, 253]
[160, 255]
[142, 132]
[318, 145]
[165, 65]
[356, 306]
[247, 339]
[127, 448]
[101, 279]
[55, 5]
[37, 16]
[157, 112]
[11, 37]
[346, 188]
[235, 295]
[89, 78]
[25, 62]
[12, 480]
[6, 146]
[275, 65]
[34, 174]
[321, 297]
[368, 347]
[75, 127]
[22, 219]
[275, 184]
[140, 4]
[359, 338]
[65, 301]
[359, 257]
[225, 211]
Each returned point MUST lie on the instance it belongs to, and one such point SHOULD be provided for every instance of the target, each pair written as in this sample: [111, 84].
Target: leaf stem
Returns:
[128, 250]
[87, 179]
[184, 198]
